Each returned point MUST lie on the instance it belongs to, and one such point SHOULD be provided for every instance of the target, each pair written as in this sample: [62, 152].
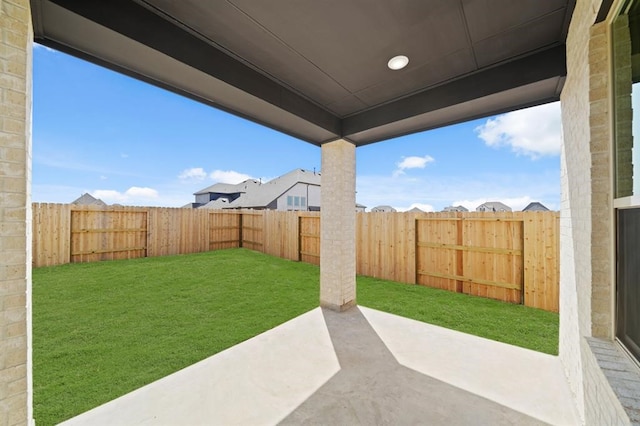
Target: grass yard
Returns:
[104, 329]
[514, 324]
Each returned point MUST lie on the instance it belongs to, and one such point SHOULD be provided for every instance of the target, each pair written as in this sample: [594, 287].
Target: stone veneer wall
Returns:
[601, 147]
[575, 223]
[16, 37]
[338, 230]
[587, 223]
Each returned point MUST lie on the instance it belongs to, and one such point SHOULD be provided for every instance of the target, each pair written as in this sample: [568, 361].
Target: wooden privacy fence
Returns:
[510, 256]
[505, 256]
[475, 255]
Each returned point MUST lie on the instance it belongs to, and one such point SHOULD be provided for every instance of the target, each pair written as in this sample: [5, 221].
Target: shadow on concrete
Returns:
[373, 388]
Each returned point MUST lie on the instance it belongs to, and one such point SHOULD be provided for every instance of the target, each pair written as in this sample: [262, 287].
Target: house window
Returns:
[296, 201]
[303, 201]
[626, 101]
[289, 201]
[628, 314]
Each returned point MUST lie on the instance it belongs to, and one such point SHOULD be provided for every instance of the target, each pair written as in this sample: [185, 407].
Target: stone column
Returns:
[338, 226]
[16, 37]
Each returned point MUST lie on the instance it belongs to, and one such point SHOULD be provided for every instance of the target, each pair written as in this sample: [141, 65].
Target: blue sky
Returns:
[131, 143]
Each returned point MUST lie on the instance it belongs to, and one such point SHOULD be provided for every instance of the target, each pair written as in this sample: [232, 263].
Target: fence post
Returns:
[299, 238]
[416, 250]
[459, 253]
[70, 251]
[146, 235]
[528, 269]
[240, 226]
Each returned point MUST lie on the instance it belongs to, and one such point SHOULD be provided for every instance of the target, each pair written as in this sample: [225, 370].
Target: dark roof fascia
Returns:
[142, 25]
[128, 72]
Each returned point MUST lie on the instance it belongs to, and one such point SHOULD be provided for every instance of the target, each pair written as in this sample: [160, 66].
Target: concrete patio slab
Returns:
[259, 381]
[356, 367]
[524, 380]
[372, 388]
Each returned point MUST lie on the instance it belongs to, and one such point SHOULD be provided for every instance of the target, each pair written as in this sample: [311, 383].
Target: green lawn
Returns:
[103, 329]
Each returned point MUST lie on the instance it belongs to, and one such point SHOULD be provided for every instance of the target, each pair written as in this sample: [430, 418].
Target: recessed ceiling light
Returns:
[398, 62]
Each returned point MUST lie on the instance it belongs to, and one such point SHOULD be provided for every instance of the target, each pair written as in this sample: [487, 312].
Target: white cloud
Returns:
[424, 207]
[143, 192]
[123, 155]
[165, 196]
[132, 196]
[515, 190]
[516, 203]
[412, 162]
[533, 131]
[194, 174]
[228, 176]
[109, 195]
[103, 177]
[47, 193]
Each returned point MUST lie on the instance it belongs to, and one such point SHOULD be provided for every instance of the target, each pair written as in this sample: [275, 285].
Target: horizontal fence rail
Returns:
[509, 256]
[474, 255]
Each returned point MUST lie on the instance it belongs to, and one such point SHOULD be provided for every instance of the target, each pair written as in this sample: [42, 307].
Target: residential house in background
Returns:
[455, 209]
[297, 190]
[222, 193]
[535, 207]
[384, 209]
[87, 199]
[493, 206]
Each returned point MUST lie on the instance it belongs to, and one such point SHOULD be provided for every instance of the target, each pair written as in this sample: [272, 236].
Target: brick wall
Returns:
[575, 211]
[338, 232]
[601, 147]
[587, 225]
[15, 211]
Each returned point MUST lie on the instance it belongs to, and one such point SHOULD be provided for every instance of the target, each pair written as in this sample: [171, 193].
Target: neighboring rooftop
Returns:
[229, 188]
[251, 194]
[262, 196]
[455, 209]
[383, 208]
[535, 207]
[87, 199]
[493, 206]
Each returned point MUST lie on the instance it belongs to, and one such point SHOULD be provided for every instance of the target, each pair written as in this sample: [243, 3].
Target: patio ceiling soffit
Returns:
[248, 59]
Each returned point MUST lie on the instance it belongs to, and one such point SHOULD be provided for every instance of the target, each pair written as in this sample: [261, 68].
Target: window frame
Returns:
[626, 204]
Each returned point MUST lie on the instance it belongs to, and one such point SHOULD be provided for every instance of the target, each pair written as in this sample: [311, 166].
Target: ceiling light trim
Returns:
[398, 62]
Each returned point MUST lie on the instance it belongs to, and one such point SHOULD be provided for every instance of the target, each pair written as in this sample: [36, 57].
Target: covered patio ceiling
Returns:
[317, 69]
